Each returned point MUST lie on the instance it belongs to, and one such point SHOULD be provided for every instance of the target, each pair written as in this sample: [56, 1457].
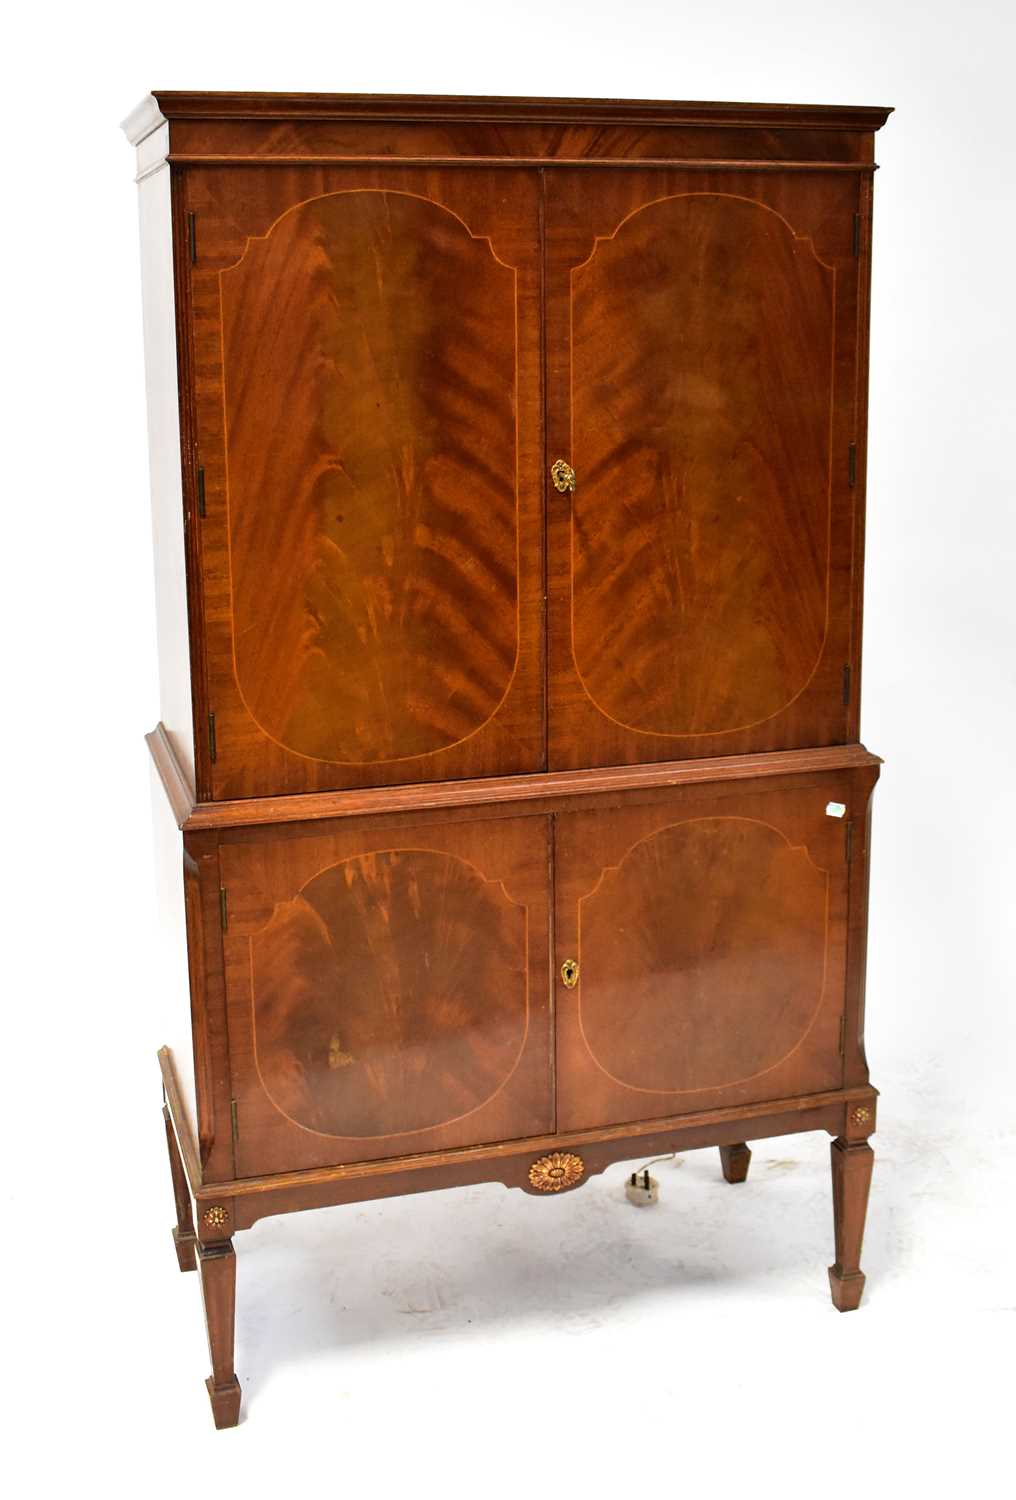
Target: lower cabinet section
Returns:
[387, 990]
[390, 987]
[525, 983]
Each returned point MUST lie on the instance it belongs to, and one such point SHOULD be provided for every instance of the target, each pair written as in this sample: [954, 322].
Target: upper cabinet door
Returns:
[366, 367]
[705, 384]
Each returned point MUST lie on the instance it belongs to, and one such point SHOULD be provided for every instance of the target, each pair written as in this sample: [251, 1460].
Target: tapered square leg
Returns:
[184, 1237]
[851, 1165]
[735, 1161]
[217, 1263]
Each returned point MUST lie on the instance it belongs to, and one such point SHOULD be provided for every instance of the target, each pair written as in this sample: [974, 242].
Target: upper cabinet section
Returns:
[390, 318]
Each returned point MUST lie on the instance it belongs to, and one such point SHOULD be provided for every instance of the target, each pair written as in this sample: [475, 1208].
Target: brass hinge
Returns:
[846, 685]
[856, 245]
[192, 236]
[843, 1033]
[235, 1123]
[201, 492]
[849, 836]
[223, 908]
[212, 747]
[852, 465]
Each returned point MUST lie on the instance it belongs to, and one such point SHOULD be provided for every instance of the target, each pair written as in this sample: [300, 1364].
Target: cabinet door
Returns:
[387, 990]
[366, 369]
[704, 383]
[710, 932]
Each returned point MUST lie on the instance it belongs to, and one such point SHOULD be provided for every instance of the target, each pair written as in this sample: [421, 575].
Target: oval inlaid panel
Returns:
[369, 362]
[702, 956]
[390, 995]
[701, 417]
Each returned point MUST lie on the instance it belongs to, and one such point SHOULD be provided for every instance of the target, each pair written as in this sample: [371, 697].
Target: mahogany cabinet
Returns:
[508, 488]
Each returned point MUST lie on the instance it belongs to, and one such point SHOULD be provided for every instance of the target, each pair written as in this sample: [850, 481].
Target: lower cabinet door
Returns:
[700, 950]
[387, 990]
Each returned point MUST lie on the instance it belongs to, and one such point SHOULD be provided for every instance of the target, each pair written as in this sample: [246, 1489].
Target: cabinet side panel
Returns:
[164, 462]
[169, 973]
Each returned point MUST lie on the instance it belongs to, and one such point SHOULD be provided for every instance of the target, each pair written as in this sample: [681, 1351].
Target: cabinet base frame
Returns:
[542, 1165]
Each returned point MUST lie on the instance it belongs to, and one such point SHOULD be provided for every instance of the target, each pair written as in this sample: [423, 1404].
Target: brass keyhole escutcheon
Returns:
[563, 476]
[570, 973]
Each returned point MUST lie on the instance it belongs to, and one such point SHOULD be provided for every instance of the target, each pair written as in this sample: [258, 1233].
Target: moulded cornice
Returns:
[180, 105]
[145, 117]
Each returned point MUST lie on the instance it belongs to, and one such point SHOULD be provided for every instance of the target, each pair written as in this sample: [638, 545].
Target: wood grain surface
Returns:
[710, 932]
[369, 372]
[701, 360]
[387, 991]
[369, 413]
[702, 383]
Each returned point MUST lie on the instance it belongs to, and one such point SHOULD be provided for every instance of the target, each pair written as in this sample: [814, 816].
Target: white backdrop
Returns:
[483, 1341]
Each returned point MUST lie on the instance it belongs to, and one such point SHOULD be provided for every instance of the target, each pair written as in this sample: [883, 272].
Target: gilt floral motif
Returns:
[562, 1169]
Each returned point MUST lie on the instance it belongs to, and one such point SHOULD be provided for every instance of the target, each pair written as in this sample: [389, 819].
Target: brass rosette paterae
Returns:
[559, 1170]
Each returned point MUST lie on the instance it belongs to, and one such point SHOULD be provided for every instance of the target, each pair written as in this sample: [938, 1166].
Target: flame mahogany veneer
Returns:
[523, 817]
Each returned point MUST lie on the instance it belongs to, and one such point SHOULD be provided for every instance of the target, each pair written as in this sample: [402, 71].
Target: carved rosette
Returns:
[559, 1170]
